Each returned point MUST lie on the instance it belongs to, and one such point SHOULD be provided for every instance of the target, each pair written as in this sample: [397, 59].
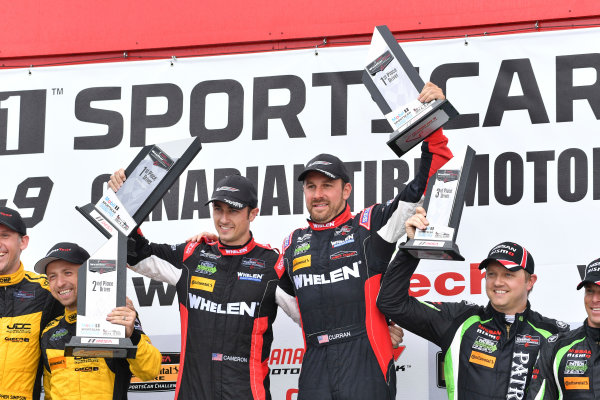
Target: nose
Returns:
[319, 192]
[224, 217]
[60, 280]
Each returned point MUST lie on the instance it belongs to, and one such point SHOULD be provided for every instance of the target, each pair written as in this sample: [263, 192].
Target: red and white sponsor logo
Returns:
[448, 283]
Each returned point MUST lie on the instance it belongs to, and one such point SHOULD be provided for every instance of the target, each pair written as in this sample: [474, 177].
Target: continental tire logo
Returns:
[208, 285]
[482, 359]
[577, 383]
[57, 363]
[301, 262]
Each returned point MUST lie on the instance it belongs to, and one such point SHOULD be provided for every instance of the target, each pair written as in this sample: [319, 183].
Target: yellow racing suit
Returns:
[90, 378]
[26, 306]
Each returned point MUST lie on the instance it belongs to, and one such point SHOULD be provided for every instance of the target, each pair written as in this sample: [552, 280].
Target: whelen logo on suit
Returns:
[337, 275]
[236, 308]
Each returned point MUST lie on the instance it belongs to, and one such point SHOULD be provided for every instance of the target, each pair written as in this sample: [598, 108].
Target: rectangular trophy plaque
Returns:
[444, 203]
[394, 85]
[102, 279]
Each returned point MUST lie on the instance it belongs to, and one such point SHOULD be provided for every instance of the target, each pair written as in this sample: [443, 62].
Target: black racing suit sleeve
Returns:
[387, 220]
[543, 385]
[139, 248]
[432, 321]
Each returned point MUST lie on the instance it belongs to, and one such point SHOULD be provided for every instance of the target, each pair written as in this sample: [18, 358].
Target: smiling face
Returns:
[507, 290]
[233, 225]
[62, 278]
[591, 300]
[325, 197]
[11, 246]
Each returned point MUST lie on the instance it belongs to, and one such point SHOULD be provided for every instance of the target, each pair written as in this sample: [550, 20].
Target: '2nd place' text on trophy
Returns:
[102, 278]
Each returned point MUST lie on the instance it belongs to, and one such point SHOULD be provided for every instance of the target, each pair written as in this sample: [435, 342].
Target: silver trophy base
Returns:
[402, 141]
[77, 348]
[420, 249]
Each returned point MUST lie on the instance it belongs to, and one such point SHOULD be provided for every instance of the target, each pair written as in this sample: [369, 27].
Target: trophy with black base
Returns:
[102, 278]
[444, 202]
[394, 84]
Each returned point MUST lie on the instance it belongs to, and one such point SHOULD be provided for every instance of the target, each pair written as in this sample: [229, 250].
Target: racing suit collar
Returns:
[341, 218]
[592, 333]
[71, 316]
[501, 318]
[237, 250]
[7, 280]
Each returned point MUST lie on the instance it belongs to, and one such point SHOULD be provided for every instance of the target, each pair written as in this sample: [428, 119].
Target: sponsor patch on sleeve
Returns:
[365, 218]
[301, 262]
[200, 283]
[482, 359]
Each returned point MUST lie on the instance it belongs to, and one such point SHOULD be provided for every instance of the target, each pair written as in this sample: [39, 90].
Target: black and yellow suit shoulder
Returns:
[75, 378]
[26, 306]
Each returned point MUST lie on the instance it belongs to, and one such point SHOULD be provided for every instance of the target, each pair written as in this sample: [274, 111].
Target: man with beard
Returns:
[334, 268]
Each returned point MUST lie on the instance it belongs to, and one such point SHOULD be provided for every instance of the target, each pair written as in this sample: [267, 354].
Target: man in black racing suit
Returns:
[489, 351]
[568, 367]
[334, 268]
[228, 297]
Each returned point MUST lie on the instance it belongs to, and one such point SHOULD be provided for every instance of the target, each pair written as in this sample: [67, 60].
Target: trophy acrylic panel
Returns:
[394, 84]
[444, 204]
[102, 278]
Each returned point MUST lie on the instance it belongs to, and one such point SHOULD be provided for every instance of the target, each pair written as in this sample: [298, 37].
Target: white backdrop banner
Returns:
[529, 106]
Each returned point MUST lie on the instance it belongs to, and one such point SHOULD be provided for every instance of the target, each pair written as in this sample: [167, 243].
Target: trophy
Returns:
[444, 202]
[102, 278]
[394, 85]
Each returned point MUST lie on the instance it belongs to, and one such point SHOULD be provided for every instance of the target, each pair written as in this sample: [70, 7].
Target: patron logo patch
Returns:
[206, 268]
[303, 248]
[485, 345]
[301, 262]
[576, 367]
[482, 359]
[205, 284]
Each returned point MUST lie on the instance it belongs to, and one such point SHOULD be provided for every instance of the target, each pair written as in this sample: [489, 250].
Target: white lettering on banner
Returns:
[337, 275]
[525, 168]
[235, 308]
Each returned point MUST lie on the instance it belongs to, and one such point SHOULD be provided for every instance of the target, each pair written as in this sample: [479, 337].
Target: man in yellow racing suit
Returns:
[26, 306]
[89, 378]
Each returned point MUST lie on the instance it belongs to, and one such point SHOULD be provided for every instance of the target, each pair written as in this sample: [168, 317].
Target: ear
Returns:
[346, 190]
[253, 214]
[532, 280]
[24, 242]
